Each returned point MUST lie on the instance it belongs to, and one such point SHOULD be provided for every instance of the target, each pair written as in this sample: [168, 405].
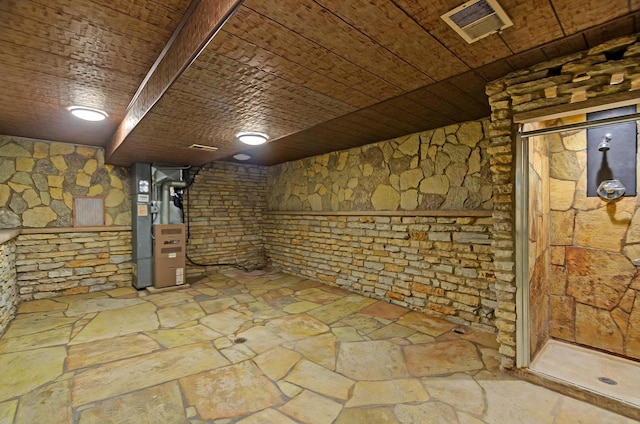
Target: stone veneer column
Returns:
[8, 285]
[501, 153]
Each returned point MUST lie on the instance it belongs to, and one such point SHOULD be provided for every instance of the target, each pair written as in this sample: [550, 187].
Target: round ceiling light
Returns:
[87, 113]
[252, 138]
[241, 156]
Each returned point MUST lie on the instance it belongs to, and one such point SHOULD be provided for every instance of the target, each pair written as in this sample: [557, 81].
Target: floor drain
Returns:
[607, 380]
[459, 330]
[239, 340]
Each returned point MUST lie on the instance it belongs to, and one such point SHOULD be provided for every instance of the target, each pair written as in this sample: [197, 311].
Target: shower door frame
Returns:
[521, 212]
[523, 336]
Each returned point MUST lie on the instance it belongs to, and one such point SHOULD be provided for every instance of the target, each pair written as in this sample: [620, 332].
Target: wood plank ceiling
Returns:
[316, 75]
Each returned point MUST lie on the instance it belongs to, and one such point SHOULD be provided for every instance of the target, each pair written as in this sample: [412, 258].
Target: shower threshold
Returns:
[608, 381]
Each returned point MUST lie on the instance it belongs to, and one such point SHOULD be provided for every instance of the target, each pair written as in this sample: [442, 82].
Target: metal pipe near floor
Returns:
[166, 186]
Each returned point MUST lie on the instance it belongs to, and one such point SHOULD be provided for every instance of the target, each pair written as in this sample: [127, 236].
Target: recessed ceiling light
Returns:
[241, 156]
[252, 138]
[87, 113]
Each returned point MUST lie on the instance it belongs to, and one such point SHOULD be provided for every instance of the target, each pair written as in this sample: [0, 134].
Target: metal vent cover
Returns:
[88, 211]
[476, 19]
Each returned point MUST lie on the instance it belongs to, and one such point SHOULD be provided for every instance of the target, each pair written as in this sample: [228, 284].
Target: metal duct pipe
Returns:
[164, 213]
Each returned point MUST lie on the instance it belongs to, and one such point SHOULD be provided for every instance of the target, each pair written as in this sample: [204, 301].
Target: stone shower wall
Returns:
[606, 73]
[39, 179]
[8, 284]
[595, 288]
[446, 168]
[539, 249]
[405, 220]
[226, 207]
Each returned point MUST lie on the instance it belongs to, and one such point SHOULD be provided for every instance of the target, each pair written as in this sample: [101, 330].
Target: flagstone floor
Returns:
[239, 348]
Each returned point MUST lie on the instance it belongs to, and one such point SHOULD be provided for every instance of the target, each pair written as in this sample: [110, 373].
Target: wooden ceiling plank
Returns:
[423, 116]
[427, 14]
[51, 126]
[46, 90]
[272, 36]
[207, 18]
[526, 59]
[616, 28]
[474, 86]
[465, 107]
[578, 15]
[426, 97]
[62, 71]
[534, 23]
[238, 82]
[394, 110]
[391, 118]
[381, 19]
[233, 47]
[131, 56]
[92, 53]
[82, 17]
[565, 46]
[495, 70]
[317, 24]
[179, 104]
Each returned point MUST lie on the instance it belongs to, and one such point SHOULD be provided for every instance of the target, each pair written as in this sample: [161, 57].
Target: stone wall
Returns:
[446, 168]
[538, 238]
[51, 264]
[428, 248]
[39, 179]
[605, 73]
[8, 284]
[225, 213]
[595, 291]
[438, 265]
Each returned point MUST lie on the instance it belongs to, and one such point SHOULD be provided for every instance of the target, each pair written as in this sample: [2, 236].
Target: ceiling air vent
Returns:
[476, 19]
[203, 147]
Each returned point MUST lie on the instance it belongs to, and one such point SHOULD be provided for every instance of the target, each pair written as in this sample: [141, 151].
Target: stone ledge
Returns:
[7, 235]
[435, 213]
[57, 230]
[577, 392]
[594, 104]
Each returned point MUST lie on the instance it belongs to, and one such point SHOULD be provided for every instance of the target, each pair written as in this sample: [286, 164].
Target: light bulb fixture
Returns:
[241, 156]
[87, 113]
[252, 138]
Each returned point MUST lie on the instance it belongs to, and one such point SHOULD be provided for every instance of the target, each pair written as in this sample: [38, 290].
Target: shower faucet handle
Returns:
[611, 189]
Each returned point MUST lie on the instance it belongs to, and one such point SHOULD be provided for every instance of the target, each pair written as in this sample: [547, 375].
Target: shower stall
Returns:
[578, 232]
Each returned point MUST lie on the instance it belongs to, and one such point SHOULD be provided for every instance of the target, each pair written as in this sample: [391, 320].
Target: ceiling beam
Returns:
[201, 22]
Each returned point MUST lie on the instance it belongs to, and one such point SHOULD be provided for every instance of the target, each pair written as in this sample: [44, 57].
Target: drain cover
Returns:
[607, 380]
[239, 340]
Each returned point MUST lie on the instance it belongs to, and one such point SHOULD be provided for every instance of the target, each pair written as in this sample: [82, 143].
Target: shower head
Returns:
[604, 144]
